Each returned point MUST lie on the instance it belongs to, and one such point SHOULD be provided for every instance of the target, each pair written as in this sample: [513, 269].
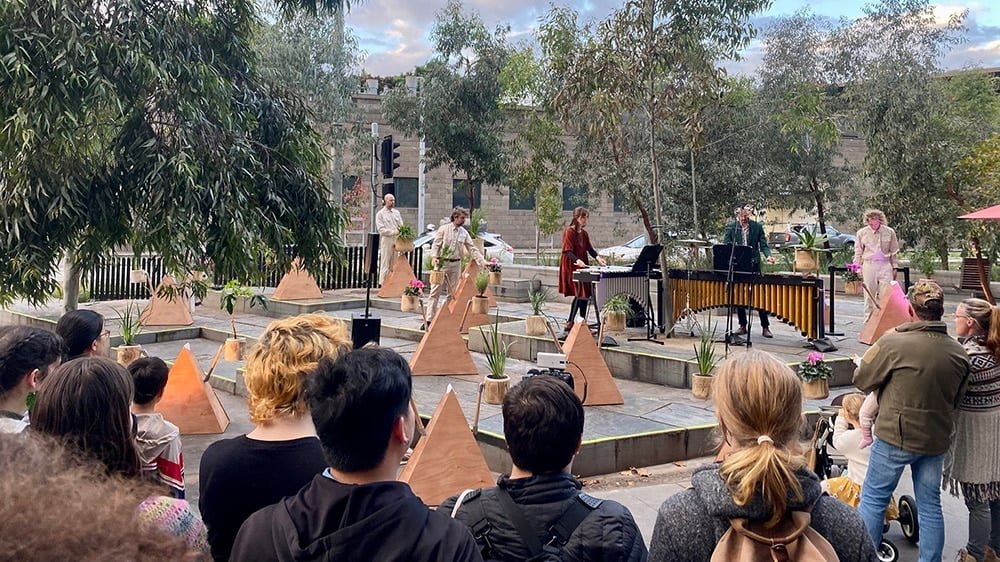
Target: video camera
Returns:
[557, 373]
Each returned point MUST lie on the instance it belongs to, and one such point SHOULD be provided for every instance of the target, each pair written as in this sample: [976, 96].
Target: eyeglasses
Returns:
[106, 334]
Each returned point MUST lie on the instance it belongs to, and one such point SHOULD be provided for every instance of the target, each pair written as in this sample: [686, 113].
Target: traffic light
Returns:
[388, 156]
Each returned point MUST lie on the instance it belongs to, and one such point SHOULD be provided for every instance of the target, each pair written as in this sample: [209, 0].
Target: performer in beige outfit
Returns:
[876, 249]
[387, 223]
[453, 236]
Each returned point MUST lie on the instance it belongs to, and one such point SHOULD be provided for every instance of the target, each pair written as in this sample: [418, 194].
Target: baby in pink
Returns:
[869, 409]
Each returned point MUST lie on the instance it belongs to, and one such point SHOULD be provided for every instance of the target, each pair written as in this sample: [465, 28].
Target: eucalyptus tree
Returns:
[148, 125]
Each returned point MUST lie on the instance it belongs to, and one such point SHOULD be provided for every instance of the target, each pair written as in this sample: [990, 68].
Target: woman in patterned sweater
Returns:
[975, 456]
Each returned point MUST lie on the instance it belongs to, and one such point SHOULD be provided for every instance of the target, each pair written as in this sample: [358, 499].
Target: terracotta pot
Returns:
[614, 321]
[701, 386]
[816, 390]
[535, 326]
[480, 305]
[852, 287]
[806, 261]
[495, 278]
[128, 353]
[408, 303]
[496, 389]
[480, 245]
[436, 277]
[404, 246]
[233, 350]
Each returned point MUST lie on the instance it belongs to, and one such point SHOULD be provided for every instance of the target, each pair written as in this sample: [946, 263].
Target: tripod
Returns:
[650, 321]
[737, 258]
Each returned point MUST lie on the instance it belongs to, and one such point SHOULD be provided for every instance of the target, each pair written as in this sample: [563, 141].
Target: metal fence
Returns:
[110, 279]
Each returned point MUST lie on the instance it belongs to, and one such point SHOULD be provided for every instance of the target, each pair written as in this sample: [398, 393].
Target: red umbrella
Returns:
[989, 213]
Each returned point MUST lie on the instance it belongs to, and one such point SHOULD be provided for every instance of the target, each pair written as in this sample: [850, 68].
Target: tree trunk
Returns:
[71, 282]
[338, 149]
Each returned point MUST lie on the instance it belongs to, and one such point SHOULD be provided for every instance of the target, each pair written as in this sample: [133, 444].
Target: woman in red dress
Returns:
[576, 254]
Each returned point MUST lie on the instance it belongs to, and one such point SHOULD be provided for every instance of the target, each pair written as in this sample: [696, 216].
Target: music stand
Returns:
[733, 259]
[645, 263]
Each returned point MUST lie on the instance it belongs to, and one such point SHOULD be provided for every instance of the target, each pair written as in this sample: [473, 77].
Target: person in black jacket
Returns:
[355, 509]
[543, 426]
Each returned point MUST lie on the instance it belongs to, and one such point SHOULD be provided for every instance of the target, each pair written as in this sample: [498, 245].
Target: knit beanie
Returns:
[176, 518]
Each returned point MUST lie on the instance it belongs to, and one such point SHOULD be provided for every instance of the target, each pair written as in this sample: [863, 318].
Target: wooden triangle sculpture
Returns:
[447, 460]
[190, 402]
[442, 351]
[893, 311]
[464, 293]
[297, 284]
[582, 354]
[167, 311]
[399, 276]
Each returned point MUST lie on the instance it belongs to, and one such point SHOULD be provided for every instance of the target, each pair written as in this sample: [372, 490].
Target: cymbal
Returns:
[694, 242]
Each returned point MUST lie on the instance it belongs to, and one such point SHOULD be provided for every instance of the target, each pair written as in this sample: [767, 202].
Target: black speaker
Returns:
[824, 345]
[365, 330]
[370, 264]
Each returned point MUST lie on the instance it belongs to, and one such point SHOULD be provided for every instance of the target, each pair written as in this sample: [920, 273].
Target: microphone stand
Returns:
[729, 290]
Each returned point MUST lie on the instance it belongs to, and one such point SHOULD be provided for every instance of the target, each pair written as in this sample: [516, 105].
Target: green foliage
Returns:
[482, 282]
[810, 240]
[406, 233]
[617, 303]
[537, 298]
[444, 254]
[476, 222]
[814, 368]
[704, 350]
[129, 325]
[925, 260]
[232, 291]
[495, 349]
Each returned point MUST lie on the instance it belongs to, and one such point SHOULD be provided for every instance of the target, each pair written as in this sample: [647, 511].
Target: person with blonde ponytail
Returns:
[973, 463]
[758, 402]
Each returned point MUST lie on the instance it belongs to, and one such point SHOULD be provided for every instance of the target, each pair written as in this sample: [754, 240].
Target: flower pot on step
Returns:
[495, 278]
[816, 389]
[496, 389]
[408, 303]
[436, 277]
[404, 246]
[480, 304]
[614, 321]
[233, 349]
[701, 386]
[534, 326]
[126, 354]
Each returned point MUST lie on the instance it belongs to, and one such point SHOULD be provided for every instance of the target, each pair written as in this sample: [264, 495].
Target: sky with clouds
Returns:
[394, 34]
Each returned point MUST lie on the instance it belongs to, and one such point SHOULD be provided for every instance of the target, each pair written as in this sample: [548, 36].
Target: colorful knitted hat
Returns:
[176, 518]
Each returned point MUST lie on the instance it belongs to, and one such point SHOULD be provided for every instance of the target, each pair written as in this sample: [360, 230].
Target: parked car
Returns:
[493, 244]
[790, 238]
[626, 253]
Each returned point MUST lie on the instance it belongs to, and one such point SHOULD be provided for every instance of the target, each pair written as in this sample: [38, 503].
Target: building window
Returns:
[521, 201]
[460, 194]
[618, 203]
[573, 196]
[407, 192]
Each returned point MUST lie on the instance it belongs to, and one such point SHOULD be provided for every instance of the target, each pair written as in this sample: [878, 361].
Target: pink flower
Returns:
[416, 284]
[853, 267]
[814, 357]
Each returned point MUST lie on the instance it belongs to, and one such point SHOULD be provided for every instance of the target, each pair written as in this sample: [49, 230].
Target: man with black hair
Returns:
[157, 440]
[356, 510]
[27, 354]
[538, 512]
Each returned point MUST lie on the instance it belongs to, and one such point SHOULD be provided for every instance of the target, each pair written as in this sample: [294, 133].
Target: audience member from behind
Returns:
[758, 402]
[920, 374]
[241, 475]
[83, 333]
[56, 508]
[356, 510]
[84, 404]
[543, 426]
[157, 440]
[975, 465]
[26, 356]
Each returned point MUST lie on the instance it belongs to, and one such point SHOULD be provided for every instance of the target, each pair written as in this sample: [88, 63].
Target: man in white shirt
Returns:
[454, 237]
[387, 223]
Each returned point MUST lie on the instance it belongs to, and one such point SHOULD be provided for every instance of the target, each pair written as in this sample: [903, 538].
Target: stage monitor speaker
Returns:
[364, 329]
[370, 264]
[824, 345]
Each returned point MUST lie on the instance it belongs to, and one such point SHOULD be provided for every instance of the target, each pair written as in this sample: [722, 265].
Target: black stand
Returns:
[644, 263]
[730, 258]
[367, 328]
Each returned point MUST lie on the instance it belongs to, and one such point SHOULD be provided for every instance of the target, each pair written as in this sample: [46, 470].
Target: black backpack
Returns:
[558, 533]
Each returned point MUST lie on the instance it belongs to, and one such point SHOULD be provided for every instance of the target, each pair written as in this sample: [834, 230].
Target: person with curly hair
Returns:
[27, 355]
[242, 475]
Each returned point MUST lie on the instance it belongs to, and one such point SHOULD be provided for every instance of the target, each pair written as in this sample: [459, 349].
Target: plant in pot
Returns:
[437, 275]
[614, 311]
[129, 327]
[477, 223]
[852, 279]
[404, 238]
[704, 353]
[815, 372]
[535, 324]
[494, 267]
[480, 303]
[411, 295]
[232, 292]
[806, 259]
[497, 382]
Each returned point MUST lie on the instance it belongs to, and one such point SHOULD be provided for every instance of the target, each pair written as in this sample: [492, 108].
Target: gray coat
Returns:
[691, 523]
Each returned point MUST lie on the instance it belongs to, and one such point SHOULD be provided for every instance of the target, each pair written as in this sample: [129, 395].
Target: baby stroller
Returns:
[829, 464]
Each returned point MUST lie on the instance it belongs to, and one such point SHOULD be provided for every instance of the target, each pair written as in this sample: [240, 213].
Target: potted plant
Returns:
[411, 295]
[497, 382]
[704, 353]
[852, 279]
[806, 259]
[535, 324]
[614, 311]
[231, 293]
[480, 303]
[494, 267]
[815, 372]
[404, 238]
[476, 227]
[436, 275]
[129, 327]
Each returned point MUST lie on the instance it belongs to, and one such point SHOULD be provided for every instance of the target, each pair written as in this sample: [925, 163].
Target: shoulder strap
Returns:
[578, 509]
[510, 508]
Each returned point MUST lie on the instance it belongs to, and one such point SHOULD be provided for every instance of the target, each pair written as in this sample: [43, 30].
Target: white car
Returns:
[494, 245]
[626, 253]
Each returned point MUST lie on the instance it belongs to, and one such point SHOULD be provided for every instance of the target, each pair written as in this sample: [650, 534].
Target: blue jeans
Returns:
[884, 469]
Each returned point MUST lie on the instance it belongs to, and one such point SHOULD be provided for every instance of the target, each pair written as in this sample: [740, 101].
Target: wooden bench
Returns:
[970, 281]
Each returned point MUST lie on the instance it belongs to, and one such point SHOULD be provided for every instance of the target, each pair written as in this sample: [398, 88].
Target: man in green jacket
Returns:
[920, 374]
[745, 232]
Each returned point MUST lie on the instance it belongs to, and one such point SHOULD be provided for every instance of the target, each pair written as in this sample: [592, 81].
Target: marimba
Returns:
[611, 280]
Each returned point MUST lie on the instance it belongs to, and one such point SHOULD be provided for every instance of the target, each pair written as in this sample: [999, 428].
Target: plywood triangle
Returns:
[893, 311]
[167, 311]
[447, 460]
[583, 355]
[399, 276]
[297, 284]
[442, 351]
[463, 294]
[188, 401]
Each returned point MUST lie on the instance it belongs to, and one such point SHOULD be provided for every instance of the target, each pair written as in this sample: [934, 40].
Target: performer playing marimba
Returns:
[576, 253]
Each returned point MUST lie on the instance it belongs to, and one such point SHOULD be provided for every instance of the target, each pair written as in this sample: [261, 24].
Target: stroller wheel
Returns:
[887, 552]
[908, 520]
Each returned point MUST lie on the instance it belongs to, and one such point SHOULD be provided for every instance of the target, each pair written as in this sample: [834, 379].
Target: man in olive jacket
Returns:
[920, 374]
[745, 232]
